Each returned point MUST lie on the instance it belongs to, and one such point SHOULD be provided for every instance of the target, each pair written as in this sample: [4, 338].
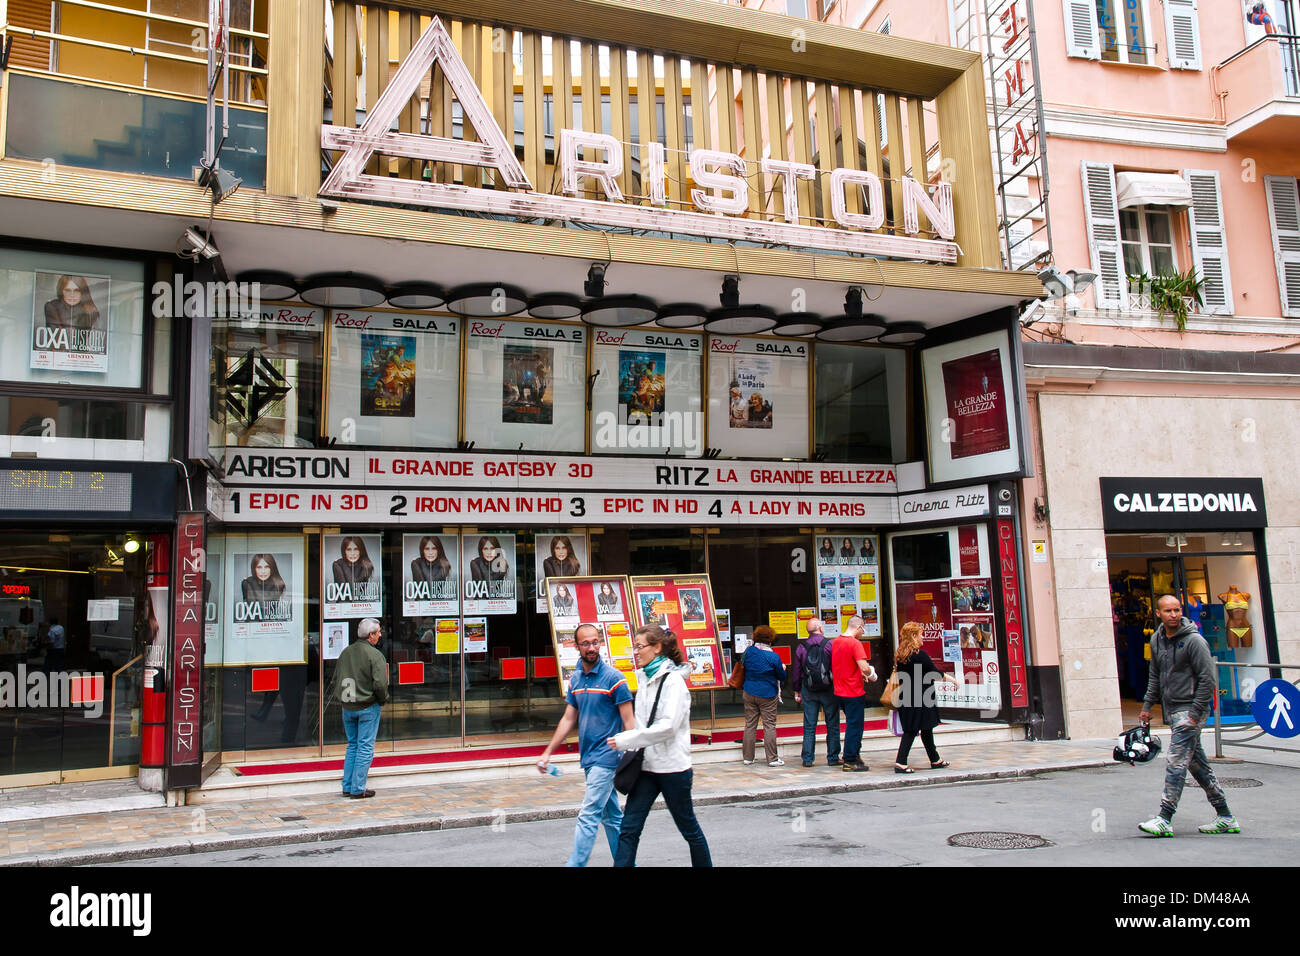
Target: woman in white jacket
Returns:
[667, 743]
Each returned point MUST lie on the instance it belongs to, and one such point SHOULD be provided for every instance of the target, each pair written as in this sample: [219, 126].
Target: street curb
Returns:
[419, 824]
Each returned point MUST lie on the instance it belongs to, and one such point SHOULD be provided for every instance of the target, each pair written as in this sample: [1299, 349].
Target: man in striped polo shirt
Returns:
[599, 703]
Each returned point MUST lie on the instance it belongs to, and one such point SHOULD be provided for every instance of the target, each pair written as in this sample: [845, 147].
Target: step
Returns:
[70, 799]
[227, 785]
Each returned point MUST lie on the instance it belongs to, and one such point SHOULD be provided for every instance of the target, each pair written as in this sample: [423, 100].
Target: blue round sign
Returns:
[1277, 708]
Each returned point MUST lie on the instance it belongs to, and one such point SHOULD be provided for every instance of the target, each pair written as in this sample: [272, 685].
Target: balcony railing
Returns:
[1259, 84]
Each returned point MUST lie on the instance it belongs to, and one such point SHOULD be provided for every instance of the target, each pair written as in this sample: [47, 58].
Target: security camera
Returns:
[192, 244]
[1004, 494]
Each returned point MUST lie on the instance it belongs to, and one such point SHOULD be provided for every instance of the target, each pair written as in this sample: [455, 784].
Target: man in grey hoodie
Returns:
[1182, 679]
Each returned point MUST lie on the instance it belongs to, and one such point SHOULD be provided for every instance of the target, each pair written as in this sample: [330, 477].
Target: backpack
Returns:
[818, 664]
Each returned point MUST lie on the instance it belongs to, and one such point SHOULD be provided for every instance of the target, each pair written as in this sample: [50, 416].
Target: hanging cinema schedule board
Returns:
[683, 603]
[601, 601]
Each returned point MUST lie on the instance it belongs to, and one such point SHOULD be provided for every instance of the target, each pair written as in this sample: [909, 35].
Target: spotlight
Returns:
[217, 181]
[730, 295]
[193, 244]
[1081, 279]
[853, 303]
[594, 287]
[1057, 285]
[132, 545]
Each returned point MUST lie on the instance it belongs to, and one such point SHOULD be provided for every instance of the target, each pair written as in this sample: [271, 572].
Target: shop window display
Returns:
[525, 385]
[394, 379]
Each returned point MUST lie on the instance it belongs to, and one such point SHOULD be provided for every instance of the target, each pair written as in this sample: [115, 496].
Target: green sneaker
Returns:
[1157, 827]
[1221, 824]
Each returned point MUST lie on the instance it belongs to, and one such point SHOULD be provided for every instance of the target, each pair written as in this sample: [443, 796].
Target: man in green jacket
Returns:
[362, 678]
[1182, 679]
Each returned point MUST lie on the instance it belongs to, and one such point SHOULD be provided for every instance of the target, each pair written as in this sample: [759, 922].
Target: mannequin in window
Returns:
[1236, 610]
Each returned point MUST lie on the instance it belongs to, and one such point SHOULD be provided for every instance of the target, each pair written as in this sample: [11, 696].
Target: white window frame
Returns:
[1144, 239]
[1121, 35]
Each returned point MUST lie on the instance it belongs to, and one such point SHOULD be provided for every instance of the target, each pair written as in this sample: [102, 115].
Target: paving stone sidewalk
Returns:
[130, 834]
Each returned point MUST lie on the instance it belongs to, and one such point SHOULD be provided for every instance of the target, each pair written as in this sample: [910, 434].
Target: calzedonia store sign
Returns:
[1182, 504]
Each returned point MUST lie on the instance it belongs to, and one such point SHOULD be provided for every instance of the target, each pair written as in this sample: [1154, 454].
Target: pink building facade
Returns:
[1164, 458]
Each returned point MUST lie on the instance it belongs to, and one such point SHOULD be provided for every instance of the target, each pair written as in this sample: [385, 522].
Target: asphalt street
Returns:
[1085, 818]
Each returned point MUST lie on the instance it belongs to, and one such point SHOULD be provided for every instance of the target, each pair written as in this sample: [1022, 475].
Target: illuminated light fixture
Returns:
[619, 311]
[741, 320]
[343, 290]
[1170, 541]
[798, 323]
[487, 300]
[860, 328]
[274, 286]
[681, 315]
[555, 305]
[902, 333]
[1227, 540]
[132, 545]
[416, 295]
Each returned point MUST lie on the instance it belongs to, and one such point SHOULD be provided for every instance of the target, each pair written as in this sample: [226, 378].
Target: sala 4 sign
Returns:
[724, 195]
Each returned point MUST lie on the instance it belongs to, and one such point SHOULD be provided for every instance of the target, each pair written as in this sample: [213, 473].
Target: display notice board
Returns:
[604, 601]
[683, 603]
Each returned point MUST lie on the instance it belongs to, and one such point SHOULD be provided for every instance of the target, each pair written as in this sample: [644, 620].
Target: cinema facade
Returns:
[744, 319]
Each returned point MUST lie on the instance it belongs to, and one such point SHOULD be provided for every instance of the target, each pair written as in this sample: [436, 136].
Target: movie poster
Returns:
[749, 393]
[430, 575]
[977, 404]
[683, 603]
[642, 387]
[70, 322]
[975, 631]
[351, 584]
[488, 574]
[263, 580]
[388, 376]
[557, 556]
[526, 384]
[971, 595]
[847, 574]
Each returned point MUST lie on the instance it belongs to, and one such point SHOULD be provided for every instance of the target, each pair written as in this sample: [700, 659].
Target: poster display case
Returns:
[683, 603]
[848, 581]
[603, 601]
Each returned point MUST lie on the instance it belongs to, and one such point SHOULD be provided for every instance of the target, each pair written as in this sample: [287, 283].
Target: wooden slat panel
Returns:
[620, 113]
[964, 135]
[871, 133]
[802, 151]
[561, 86]
[776, 139]
[726, 109]
[751, 118]
[440, 113]
[534, 130]
[916, 139]
[848, 152]
[897, 161]
[295, 105]
[645, 108]
[675, 130]
[376, 69]
[701, 129]
[345, 64]
[408, 121]
[503, 83]
[825, 145]
[589, 61]
[30, 53]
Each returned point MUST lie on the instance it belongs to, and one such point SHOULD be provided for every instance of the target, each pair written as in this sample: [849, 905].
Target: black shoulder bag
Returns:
[629, 765]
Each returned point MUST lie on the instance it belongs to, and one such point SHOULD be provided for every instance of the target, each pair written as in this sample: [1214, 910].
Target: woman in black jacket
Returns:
[917, 711]
[431, 564]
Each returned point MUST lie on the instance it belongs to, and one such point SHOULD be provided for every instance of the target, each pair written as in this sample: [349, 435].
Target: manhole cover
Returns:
[998, 840]
[1233, 783]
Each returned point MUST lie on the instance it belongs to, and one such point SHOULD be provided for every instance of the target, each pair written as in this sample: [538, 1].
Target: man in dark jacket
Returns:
[1182, 679]
[362, 678]
[815, 698]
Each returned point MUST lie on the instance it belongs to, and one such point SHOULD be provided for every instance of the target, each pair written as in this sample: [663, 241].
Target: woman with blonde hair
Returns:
[917, 711]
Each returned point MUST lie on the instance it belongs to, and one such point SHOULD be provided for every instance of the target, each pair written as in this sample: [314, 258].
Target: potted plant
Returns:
[1173, 295]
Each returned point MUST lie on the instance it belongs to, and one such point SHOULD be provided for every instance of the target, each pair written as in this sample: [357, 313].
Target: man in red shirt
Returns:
[849, 668]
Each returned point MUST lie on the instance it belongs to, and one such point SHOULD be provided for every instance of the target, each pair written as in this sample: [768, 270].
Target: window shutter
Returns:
[1182, 34]
[1209, 243]
[1284, 220]
[30, 53]
[1081, 29]
[1102, 219]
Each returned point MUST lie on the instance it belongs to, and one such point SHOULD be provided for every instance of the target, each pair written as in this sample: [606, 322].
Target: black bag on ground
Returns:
[629, 765]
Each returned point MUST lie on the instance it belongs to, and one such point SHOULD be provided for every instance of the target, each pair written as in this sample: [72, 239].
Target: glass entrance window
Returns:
[75, 604]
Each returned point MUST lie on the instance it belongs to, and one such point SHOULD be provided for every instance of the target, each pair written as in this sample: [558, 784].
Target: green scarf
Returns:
[653, 667]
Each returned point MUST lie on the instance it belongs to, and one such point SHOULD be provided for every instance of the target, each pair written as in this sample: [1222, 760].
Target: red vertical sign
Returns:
[185, 738]
[968, 550]
[1013, 621]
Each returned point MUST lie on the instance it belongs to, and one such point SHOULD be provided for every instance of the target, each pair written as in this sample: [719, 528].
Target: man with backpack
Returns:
[815, 689]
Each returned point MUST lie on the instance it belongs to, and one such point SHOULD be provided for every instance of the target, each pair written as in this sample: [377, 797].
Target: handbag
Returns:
[737, 679]
[889, 696]
[629, 765]
[895, 724]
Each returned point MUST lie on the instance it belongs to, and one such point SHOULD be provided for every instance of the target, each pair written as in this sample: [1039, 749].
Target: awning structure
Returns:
[1152, 189]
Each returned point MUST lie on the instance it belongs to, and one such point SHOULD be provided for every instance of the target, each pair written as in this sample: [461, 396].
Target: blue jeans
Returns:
[676, 788]
[599, 805]
[824, 701]
[855, 711]
[362, 727]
